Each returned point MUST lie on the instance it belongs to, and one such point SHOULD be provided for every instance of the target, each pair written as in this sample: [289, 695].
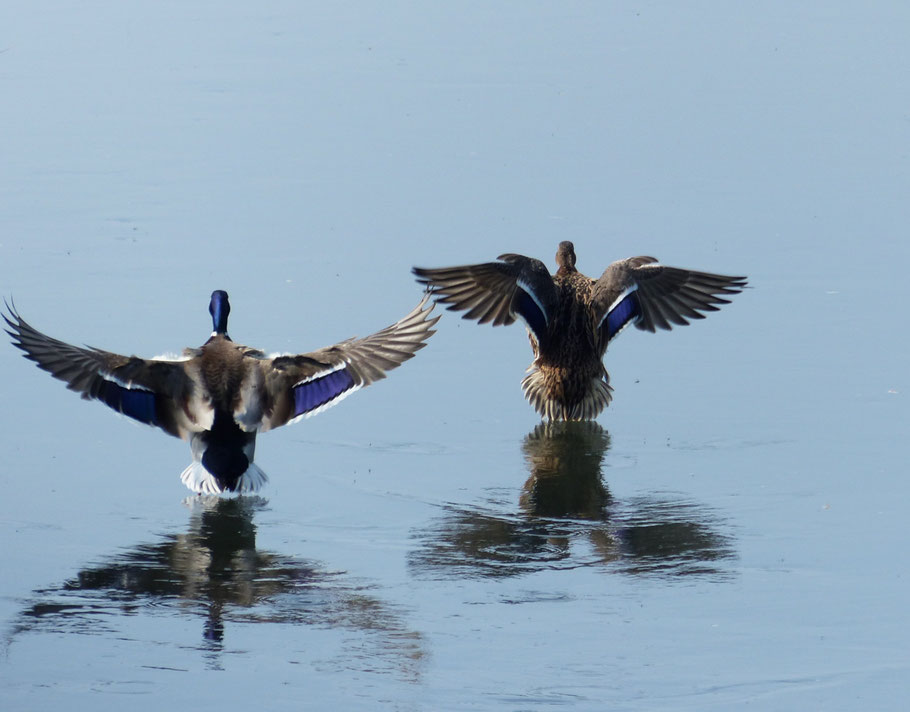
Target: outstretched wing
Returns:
[639, 290]
[497, 292]
[305, 384]
[145, 390]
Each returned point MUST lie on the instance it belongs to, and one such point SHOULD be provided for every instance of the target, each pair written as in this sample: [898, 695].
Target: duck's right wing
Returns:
[302, 385]
[496, 292]
[641, 291]
[150, 391]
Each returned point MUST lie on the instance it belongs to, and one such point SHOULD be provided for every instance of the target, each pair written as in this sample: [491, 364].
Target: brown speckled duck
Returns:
[222, 394]
[572, 318]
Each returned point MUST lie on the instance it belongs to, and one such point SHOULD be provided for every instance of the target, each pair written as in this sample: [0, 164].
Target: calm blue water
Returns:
[731, 531]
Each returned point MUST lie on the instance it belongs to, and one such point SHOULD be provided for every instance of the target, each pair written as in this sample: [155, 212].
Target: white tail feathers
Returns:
[201, 481]
[252, 480]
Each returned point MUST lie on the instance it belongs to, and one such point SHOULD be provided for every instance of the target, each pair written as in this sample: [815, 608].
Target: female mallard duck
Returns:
[220, 395]
[571, 318]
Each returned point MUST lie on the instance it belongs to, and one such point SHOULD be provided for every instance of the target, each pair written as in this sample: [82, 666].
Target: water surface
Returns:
[731, 531]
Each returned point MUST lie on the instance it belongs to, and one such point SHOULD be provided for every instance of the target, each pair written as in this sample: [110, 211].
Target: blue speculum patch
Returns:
[137, 404]
[313, 394]
[532, 314]
[622, 314]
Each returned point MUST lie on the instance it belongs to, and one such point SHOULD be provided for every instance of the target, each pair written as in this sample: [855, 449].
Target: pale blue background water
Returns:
[736, 533]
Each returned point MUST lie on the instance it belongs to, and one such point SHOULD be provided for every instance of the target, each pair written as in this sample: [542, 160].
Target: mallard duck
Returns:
[572, 318]
[222, 394]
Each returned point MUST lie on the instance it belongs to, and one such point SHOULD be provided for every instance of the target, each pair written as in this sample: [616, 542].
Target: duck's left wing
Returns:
[496, 292]
[145, 390]
[653, 296]
[305, 384]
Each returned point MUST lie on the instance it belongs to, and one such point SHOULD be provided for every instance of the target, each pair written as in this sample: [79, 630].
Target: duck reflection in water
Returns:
[214, 571]
[567, 518]
[565, 460]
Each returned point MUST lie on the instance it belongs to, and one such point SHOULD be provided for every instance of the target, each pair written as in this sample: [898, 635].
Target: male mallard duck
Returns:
[571, 318]
[220, 395]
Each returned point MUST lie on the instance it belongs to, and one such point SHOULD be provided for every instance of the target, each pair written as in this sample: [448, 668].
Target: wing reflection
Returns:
[567, 519]
[215, 572]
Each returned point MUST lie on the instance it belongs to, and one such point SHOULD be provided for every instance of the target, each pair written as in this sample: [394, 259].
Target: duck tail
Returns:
[201, 481]
[596, 399]
[252, 480]
[540, 394]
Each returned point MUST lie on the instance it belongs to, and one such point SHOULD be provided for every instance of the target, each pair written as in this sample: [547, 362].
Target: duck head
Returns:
[565, 256]
[219, 308]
